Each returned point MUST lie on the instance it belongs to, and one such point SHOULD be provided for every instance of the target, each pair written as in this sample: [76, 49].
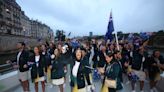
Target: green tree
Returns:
[60, 35]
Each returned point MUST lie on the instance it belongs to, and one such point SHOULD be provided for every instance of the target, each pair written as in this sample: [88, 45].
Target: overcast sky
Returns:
[82, 16]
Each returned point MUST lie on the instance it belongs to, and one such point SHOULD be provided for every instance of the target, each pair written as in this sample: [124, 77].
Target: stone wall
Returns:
[8, 42]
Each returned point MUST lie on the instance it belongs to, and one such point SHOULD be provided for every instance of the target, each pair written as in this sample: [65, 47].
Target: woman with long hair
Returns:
[47, 56]
[155, 67]
[111, 74]
[78, 73]
[57, 70]
[38, 69]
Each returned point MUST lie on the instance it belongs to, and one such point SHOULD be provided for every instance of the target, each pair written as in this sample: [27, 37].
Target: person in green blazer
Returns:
[111, 71]
[78, 73]
[57, 70]
[38, 68]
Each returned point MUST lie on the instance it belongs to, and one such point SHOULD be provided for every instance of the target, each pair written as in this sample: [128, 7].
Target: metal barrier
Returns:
[5, 68]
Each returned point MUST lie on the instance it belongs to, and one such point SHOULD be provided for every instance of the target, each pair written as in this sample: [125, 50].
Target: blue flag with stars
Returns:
[110, 29]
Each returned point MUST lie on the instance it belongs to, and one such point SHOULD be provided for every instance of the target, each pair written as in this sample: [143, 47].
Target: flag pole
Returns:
[117, 41]
[116, 37]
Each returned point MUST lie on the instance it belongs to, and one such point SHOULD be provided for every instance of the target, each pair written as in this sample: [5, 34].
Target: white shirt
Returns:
[37, 60]
[143, 60]
[18, 56]
[75, 68]
[131, 54]
[43, 53]
[157, 60]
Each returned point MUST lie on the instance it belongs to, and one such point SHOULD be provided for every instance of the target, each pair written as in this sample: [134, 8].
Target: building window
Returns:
[1, 16]
[7, 10]
[1, 3]
[1, 9]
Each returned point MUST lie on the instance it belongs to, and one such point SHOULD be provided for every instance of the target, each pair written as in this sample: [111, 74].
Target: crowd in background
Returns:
[92, 60]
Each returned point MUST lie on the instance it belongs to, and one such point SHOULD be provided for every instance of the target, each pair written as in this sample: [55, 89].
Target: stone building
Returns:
[40, 30]
[51, 35]
[13, 21]
[10, 20]
[34, 28]
[26, 25]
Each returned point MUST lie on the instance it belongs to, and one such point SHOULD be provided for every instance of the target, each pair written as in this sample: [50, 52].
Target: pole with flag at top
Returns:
[110, 29]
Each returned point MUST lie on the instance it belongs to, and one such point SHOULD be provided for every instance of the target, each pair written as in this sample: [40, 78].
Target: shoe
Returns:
[155, 90]
[141, 91]
[89, 88]
[133, 91]
[146, 81]
[93, 87]
[151, 90]
[135, 85]
[50, 86]
[128, 82]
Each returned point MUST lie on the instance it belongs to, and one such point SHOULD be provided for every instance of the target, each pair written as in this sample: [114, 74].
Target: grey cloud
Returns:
[83, 16]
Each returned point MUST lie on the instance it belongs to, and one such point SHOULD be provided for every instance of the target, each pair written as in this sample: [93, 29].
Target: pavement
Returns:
[127, 88]
[126, 85]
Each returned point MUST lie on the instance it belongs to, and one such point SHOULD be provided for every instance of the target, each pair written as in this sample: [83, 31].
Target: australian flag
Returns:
[110, 29]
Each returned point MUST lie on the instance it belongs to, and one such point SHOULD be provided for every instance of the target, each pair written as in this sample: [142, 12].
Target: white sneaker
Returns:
[50, 86]
[128, 82]
[135, 85]
[93, 87]
[151, 90]
[141, 91]
[89, 88]
[146, 81]
[133, 91]
[155, 90]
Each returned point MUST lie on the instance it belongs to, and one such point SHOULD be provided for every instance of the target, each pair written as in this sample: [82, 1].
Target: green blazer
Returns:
[113, 73]
[80, 79]
[57, 70]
